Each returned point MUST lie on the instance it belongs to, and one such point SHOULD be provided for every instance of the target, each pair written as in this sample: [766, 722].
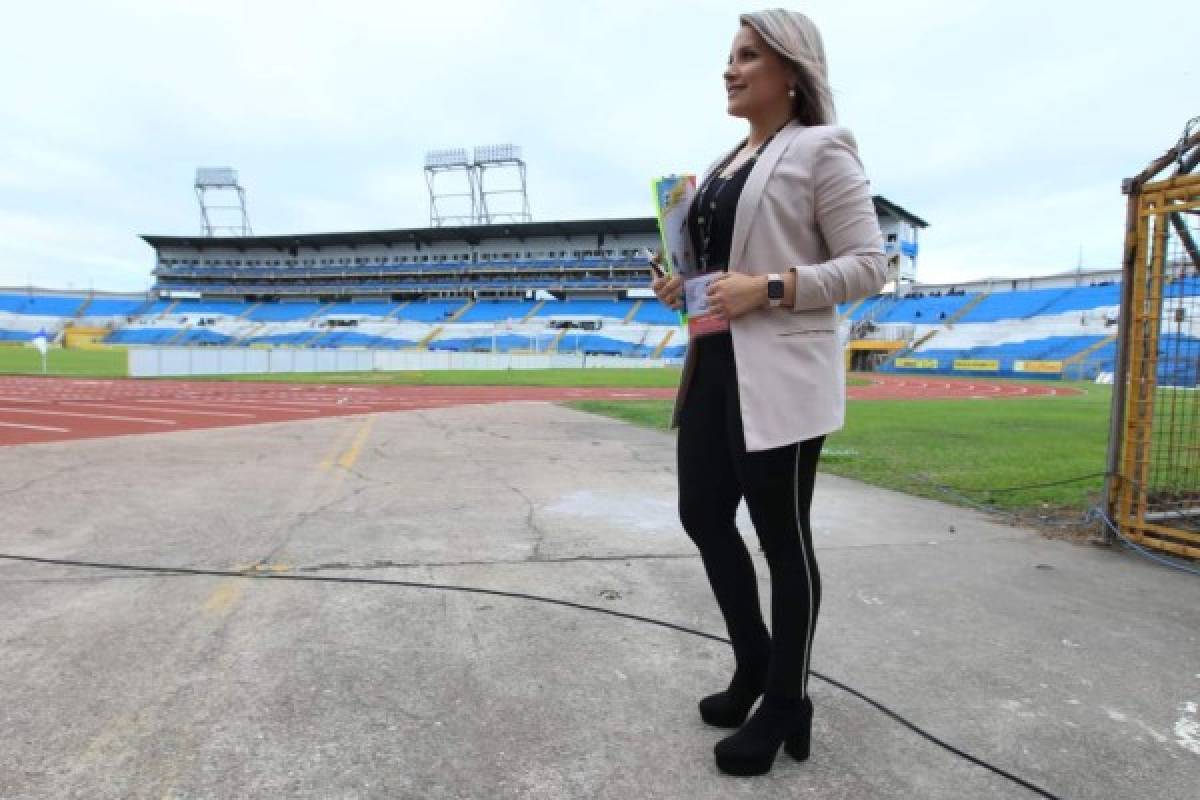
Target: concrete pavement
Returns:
[1072, 666]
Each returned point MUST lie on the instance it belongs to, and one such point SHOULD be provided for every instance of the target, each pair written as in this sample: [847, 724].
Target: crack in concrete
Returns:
[469, 455]
[50, 476]
[531, 523]
[388, 564]
[301, 517]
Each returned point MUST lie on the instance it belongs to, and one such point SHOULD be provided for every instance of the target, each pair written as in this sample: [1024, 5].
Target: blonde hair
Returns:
[796, 40]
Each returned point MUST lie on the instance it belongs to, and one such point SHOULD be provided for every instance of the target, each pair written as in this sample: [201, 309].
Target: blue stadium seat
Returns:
[610, 309]
[158, 307]
[430, 311]
[925, 310]
[346, 339]
[1051, 348]
[279, 339]
[863, 308]
[496, 311]
[40, 305]
[283, 312]
[653, 312]
[1013, 305]
[108, 307]
[141, 335]
[203, 336]
[1178, 360]
[365, 309]
[1084, 298]
[230, 309]
[594, 344]
[12, 303]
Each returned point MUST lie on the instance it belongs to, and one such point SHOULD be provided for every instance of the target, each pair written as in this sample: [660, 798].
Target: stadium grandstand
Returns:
[575, 287]
[543, 287]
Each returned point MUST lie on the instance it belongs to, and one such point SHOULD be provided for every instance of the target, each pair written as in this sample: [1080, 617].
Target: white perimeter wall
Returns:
[155, 361]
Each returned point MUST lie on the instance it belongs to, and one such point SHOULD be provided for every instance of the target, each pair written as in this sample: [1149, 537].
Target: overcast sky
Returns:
[1007, 125]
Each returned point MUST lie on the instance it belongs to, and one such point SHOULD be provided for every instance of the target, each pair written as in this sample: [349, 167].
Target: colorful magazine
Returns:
[673, 196]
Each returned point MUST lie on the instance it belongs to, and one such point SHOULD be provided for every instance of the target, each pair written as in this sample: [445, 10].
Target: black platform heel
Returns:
[752, 750]
[728, 709]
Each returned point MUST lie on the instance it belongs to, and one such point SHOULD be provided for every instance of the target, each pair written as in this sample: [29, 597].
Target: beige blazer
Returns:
[807, 207]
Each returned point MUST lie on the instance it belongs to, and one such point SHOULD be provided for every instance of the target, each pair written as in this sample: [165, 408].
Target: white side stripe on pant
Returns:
[808, 634]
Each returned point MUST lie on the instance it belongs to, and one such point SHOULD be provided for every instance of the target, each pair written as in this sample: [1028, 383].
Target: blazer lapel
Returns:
[752, 192]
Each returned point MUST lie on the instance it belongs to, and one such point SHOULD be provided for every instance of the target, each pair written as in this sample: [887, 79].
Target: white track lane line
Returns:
[233, 404]
[331, 402]
[240, 398]
[34, 427]
[87, 416]
[97, 403]
[169, 410]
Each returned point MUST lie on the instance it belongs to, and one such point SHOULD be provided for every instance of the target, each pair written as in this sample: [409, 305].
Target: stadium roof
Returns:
[471, 234]
[883, 204]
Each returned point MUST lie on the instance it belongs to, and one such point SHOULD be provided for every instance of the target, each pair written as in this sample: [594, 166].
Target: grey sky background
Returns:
[1007, 125]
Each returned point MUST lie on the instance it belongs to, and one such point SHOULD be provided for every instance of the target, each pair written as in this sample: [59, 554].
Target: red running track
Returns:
[904, 387]
[35, 409]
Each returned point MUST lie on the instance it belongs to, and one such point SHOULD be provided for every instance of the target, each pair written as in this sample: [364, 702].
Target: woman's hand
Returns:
[733, 294]
[667, 288]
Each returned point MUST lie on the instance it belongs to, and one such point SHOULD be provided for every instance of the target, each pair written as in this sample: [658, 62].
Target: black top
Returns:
[711, 217]
[718, 198]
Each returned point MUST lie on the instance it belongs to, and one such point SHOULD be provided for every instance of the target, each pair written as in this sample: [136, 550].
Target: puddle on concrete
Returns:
[647, 513]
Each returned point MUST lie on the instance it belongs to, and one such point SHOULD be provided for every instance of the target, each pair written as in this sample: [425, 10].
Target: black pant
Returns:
[715, 473]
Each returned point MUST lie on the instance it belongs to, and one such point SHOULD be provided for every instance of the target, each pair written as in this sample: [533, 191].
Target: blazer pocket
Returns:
[805, 332]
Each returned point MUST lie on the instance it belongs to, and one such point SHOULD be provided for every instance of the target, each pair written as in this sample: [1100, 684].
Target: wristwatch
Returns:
[774, 290]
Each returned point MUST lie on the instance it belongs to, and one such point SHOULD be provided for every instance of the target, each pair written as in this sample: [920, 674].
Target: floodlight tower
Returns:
[452, 163]
[502, 158]
[221, 179]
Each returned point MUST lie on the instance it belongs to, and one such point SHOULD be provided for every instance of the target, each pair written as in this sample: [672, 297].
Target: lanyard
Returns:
[708, 204]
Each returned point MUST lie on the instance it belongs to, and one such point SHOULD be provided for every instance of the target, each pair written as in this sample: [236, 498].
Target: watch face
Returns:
[775, 290]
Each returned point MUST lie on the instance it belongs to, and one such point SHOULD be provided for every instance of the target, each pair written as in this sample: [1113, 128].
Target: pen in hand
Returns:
[654, 258]
[668, 289]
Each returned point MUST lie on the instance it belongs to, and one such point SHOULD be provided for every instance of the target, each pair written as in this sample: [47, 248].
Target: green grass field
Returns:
[109, 363]
[664, 378]
[916, 446]
[971, 446]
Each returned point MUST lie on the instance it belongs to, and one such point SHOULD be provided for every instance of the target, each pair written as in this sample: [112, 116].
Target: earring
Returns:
[792, 93]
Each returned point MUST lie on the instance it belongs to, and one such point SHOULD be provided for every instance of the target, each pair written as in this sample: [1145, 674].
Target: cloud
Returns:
[1005, 124]
[1051, 229]
[62, 252]
[37, 167]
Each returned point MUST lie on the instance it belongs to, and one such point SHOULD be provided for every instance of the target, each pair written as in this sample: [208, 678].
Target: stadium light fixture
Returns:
[497, 153]
[216, 177]
[221, 179]
[452, 157]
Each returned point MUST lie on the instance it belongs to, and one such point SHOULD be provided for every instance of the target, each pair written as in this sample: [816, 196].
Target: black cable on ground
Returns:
[170, 571]
[1064, 481]
[1092, 514]
[957, 494]
[1167, 561]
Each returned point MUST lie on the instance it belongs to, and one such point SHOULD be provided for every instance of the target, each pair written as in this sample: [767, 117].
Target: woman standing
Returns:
[787, 223]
